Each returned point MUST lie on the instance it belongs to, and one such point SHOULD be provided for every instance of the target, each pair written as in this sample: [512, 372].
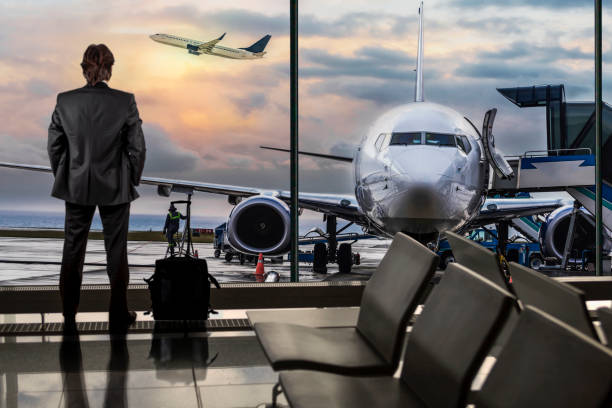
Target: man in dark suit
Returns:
[97, 153]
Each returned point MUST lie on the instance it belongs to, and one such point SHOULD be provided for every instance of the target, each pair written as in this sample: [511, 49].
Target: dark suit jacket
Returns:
[96, 146]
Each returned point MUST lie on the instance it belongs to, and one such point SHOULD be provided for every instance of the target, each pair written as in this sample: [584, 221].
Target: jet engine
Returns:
[555, 230]
[260, 224]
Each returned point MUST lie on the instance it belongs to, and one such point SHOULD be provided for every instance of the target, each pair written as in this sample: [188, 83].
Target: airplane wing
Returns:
[343, 206]
[498, 209]
[208, 46]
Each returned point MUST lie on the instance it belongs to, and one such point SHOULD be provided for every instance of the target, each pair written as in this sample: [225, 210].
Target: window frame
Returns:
[379, 142]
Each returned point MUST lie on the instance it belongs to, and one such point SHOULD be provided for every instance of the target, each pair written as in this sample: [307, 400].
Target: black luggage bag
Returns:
[180, 289]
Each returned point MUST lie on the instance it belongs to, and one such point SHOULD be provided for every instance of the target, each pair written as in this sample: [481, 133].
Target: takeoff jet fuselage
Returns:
[195, 47]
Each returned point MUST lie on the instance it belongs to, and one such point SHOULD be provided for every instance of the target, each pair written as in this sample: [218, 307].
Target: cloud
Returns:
[505, 70]
[256, 23]
[498, 25]
[379, 92]
[253, 101]
[553, 4]
[343, 149]
[379, 62]
[164, 155]
[548, 54]
[40, 87]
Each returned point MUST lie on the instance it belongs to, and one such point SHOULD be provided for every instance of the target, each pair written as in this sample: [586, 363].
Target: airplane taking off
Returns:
[422, 168]
[195, 47]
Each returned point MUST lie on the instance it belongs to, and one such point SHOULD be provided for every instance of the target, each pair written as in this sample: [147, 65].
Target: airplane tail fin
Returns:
[418, 89]
[259, 46]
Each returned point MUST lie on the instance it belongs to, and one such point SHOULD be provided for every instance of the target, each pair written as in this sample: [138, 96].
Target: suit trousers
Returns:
[115, 220]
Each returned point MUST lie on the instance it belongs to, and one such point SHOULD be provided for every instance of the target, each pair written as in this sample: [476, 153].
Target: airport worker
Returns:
[171, 226]
[97, 153]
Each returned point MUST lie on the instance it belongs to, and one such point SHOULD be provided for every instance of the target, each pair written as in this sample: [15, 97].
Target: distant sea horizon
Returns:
[138, 222]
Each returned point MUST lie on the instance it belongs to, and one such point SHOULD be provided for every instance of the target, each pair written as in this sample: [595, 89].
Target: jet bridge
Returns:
[569, 161]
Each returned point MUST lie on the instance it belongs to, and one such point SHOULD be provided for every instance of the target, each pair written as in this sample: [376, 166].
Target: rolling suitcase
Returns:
[180, 289]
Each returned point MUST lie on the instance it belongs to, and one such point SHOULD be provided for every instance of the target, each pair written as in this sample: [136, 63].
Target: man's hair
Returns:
[97, 63]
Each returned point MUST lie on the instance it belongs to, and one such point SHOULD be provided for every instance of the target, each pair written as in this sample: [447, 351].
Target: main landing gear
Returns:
[330, 253]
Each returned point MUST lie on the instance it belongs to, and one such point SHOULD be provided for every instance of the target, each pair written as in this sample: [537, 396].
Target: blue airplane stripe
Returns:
[606, 198]
[587, 160]
[606, 191]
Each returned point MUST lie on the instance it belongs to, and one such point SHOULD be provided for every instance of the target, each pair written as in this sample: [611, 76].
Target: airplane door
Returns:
[495, 159]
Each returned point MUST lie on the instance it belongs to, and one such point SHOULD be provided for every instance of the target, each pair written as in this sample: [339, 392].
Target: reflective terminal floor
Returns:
[220, 369]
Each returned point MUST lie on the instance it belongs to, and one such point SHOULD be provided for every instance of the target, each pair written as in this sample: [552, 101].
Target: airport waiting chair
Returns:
[605, 318]
[548, 363]
[558, 299]
[445, 349]
[477, 258]
[374, 345]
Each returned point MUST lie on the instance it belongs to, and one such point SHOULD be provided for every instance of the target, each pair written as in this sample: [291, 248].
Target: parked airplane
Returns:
[194, 47]
[422, 168]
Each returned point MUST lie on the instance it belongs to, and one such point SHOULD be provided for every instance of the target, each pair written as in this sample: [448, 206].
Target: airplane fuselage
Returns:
[192, 46]
[420, 169]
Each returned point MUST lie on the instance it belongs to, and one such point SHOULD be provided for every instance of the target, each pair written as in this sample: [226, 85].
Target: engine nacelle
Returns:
[164, 191]
[260, 224]
[555, 230]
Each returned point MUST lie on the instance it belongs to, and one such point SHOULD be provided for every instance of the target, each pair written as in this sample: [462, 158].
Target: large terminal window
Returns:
[406, 138]
[440, 139]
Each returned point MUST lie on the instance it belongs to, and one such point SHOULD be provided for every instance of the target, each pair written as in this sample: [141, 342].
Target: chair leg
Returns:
[276, 391]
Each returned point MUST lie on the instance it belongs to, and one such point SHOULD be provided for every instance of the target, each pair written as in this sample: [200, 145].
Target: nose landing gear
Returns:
[332, 253]
[345, 258]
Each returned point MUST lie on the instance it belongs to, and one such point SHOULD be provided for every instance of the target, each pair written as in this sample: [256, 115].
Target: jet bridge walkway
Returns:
[569, 162]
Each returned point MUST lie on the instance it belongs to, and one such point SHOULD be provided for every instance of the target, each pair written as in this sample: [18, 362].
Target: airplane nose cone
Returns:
[425, 192]
[427, 206]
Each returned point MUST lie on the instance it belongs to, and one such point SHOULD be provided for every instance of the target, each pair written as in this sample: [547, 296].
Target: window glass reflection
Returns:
[464, 144]
[440, 139]
[406, 138]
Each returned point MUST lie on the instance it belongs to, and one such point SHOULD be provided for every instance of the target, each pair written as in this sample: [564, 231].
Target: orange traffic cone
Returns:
[259, 270]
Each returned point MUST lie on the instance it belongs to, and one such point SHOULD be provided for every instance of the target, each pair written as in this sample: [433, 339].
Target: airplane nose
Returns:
[422, 163]
[424, 191]
[419, 199]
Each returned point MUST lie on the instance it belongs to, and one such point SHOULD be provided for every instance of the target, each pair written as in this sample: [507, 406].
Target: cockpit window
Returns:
[380, 141]
[412, 138]
[464, 143]
[440, 139]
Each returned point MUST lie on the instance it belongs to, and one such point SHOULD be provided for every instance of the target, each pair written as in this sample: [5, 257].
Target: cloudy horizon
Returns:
[205, 117]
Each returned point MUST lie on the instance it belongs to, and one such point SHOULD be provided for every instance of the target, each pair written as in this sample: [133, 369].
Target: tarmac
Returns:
[36, 261]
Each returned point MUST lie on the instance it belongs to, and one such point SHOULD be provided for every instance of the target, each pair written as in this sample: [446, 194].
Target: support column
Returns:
[293, 18]
[598, 142]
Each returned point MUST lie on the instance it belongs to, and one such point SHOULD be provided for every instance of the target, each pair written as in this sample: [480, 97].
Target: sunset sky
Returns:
[204, 117]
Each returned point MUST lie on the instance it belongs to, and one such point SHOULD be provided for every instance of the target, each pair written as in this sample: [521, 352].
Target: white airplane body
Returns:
[255, 51]
[422, 169]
